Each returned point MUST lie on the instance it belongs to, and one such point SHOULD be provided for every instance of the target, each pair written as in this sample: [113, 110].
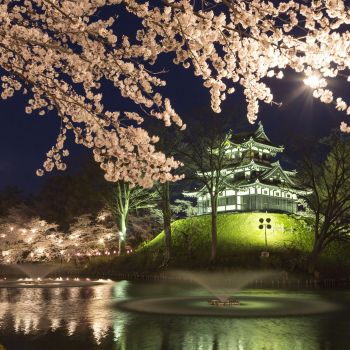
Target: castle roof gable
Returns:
[260, 134]
[257, 137]
[277, 172]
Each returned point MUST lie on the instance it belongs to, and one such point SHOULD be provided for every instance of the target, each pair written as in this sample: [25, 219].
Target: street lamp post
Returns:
[265, 224]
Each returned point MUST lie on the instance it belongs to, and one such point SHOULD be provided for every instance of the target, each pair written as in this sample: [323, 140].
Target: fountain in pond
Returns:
[36, 271]
[223, 294]
[37, 275]
[222, 285]
[227, 302]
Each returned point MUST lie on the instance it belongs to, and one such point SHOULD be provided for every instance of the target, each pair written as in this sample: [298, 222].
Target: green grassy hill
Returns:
[236, 230]
[240, 242]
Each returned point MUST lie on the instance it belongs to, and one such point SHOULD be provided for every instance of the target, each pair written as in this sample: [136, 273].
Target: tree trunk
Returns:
[166, 220]
[122, 233]
[214, 235]
[316, 250]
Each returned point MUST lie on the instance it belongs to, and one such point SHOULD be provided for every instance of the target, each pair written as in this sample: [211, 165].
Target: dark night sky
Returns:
[24, 139]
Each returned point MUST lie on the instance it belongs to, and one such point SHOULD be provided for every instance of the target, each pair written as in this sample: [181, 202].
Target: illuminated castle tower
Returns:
[258, 182]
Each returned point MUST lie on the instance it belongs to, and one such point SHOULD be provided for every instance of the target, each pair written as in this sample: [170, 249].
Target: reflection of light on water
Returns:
[120, 290]
[55, 324]
[120, 328]
[28, 310]
[117, 330]
[30, 324]
[99, 312]
[223, 334]
[56, 292]
[73, 293]
[92, 310]
[4, 307]
[26, 324]
[200, 341]
[100, 329]
[71, 327]
[25, 310]
[102, 292]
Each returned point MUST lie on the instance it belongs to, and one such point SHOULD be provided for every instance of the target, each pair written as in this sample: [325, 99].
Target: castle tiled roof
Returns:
[258, 136]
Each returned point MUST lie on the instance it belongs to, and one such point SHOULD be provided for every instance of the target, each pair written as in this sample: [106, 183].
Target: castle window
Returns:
[231, 200]
[239, 176]
[222, 202]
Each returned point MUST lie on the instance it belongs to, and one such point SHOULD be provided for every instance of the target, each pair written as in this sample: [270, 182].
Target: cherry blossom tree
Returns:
[89, 236]
[27, 238]
[59, 53]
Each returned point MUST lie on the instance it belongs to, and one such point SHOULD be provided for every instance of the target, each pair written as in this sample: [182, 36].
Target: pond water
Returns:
[150, 316]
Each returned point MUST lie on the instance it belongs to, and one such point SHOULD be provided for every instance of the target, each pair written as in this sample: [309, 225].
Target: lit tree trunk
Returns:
[166, 220]
[316, 250]
[121, 223]
[123, 198]
[214, 235]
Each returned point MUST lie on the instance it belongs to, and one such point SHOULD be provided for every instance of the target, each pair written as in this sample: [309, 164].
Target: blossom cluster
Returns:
[59, 53]
[26, 238]
[229, 43]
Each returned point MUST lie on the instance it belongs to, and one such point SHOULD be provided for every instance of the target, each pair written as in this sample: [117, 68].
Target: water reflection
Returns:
[30, 310]
[86, 318]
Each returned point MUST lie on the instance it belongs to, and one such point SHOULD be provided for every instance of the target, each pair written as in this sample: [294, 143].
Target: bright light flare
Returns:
[313, 81]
